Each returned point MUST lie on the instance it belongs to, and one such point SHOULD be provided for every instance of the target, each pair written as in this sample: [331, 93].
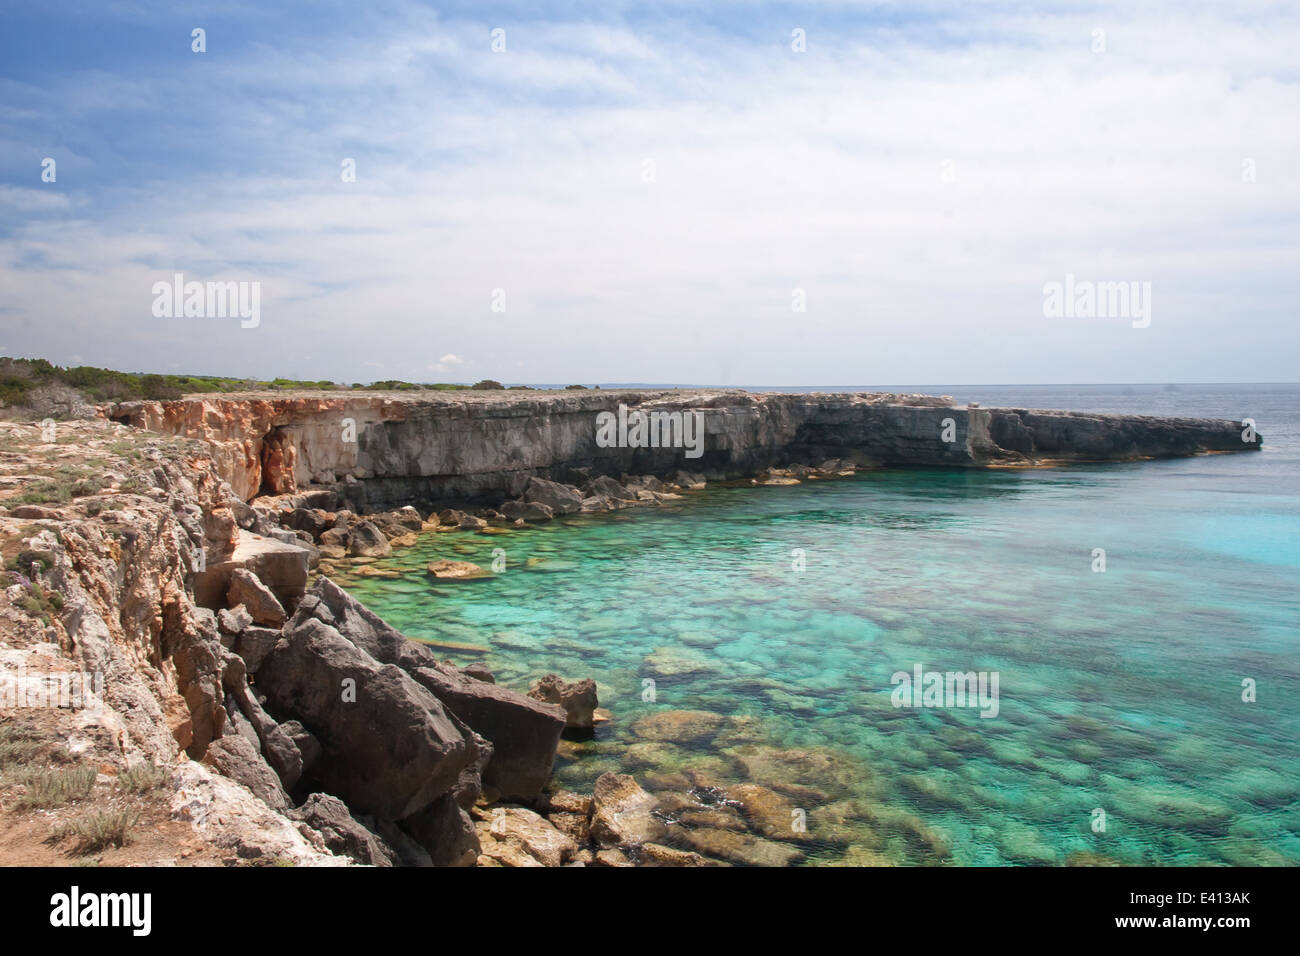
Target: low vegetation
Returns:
[142, 778]
[20, 744]
[49, 389]
[46, 789]
[97, 830]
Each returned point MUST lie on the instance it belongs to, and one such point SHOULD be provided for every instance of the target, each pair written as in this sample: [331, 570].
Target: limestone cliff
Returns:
[399, 448]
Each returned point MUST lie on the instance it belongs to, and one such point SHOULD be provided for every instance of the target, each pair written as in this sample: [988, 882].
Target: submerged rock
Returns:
[679, 726]
[741, 847]
[623, 813]
[504, 831]
[445, 569]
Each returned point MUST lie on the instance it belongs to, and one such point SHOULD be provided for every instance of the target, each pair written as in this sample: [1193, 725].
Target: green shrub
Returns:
[47, 492]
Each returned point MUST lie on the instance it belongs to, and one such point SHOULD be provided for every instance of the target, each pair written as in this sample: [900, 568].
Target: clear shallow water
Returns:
[1118, 690]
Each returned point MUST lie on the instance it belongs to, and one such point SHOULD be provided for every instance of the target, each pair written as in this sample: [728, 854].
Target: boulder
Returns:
[235, 757]
[575, 825]
[479, 672]
[770, 813]
[561, 499]
[679, 726]
[445, 830]
[281, 567]
[566, 801]
[253, 644]
[578, 698]
[469, 786]
[527, 511]
[341, 834]
[388, 745]
[622, 813]
[245, 589]
[367, 541]
[314, 521]
[331, 605]
[336, 537]
[278, 747]
[232, 621]
[308, 746]
[524, 733]
[237, 723]
[653, 854]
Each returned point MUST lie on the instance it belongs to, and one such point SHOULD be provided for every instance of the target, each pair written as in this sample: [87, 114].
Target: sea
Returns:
[1136, 626]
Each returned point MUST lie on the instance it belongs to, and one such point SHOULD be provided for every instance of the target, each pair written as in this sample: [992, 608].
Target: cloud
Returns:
[919, 174]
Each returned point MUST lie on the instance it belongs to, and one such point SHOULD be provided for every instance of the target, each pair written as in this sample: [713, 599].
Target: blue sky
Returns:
[919, 173]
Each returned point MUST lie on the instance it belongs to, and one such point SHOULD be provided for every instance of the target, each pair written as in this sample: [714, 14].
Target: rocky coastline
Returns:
[184, 551]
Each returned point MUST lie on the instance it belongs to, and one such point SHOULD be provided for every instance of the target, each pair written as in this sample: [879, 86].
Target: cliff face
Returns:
[395, 448]
[257, 706]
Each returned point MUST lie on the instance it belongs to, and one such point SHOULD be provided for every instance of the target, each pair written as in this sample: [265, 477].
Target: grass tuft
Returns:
[142, 778]
[55, 788]
[98, 830]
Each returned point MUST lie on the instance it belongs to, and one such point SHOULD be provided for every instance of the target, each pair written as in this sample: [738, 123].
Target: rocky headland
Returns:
[244, 708]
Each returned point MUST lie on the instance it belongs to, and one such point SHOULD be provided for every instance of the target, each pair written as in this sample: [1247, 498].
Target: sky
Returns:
[681, 193]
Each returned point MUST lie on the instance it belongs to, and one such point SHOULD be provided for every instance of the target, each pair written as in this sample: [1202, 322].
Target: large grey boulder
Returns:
[306, 742]
[253, 644]
[388, 745]
[331, 605]
[524, 733]
[606, 487]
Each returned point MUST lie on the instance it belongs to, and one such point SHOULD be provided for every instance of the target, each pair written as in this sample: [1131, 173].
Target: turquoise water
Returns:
[1119, 691]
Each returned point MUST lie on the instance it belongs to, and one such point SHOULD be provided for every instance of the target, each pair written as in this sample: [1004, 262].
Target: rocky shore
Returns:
[183, 551]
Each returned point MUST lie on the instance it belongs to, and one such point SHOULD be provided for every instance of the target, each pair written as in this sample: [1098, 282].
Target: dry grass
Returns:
[19, 745]
[55, 788]
[142, 778]
[98, 830]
